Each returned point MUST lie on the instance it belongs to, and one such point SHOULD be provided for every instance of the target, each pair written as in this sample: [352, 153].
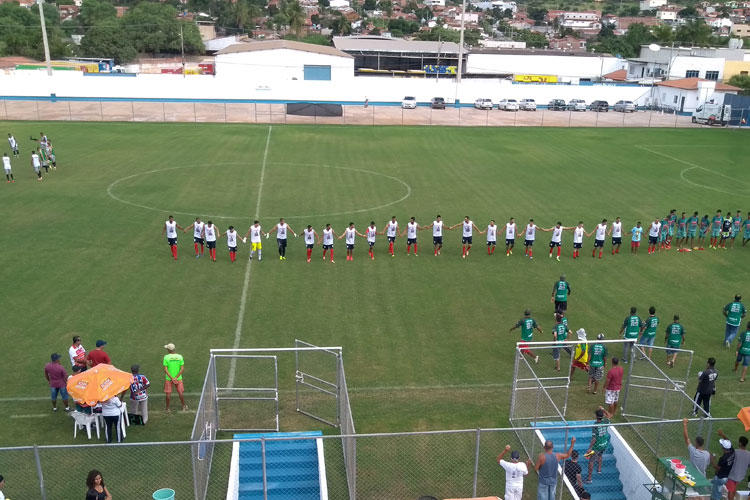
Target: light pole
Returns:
[461, 43]
[44, 38]
[655, 48]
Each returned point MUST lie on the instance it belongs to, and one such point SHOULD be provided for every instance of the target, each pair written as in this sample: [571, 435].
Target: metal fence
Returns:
[444, 464]
[153, 110]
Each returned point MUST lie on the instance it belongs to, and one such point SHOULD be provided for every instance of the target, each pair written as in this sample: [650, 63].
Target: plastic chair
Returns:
[81, 420]
[124, 420]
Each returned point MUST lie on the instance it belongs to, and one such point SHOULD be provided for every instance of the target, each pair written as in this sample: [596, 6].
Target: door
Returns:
[682, 104]
[317, 382]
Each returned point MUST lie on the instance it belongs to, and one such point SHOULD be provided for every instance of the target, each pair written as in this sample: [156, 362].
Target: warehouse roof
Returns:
[386, 44]
[281, 44]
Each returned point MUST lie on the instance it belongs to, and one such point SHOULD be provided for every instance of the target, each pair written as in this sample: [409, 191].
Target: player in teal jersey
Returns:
[692, 224]
[664, 233]
[746, 234]
[635, 239]
[743, 353]
[703, 226]
[681, 232]
[648, 332]
[597, 363]
[527, 324]
[716, 222]
[734, 312]
[736, 227]
[560, 334]
[674, 338]
[672, 222]
[631, 327]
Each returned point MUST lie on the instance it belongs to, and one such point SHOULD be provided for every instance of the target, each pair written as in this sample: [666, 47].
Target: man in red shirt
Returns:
[612, 386]
[57, 377]
[98, 356]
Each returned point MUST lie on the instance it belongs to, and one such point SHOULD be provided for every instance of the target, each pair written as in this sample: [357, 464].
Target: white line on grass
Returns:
[248, 268]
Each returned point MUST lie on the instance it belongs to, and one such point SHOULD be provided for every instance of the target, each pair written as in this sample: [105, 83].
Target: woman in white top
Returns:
[112, 412]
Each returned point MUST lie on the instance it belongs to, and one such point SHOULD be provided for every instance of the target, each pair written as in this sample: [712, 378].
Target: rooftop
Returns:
[371, 43]
[538, 52]
[281, 44]
[692, 84]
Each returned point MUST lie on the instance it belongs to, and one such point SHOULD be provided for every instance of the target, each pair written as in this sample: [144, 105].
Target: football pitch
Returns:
[425, 339]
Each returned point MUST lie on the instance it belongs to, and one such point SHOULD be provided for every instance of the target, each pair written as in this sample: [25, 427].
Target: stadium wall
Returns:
[633, 474]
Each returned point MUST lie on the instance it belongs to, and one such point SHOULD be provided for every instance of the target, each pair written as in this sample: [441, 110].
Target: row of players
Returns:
[659, 230]
[41, 158]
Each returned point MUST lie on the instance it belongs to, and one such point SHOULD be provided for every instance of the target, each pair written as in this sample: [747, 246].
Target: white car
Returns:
[508, 105]
[409, 102]
[527, 105]
[625, 106]
[576, 105]
[483, 103]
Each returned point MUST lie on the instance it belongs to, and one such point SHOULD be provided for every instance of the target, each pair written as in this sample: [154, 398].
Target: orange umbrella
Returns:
[98, 384]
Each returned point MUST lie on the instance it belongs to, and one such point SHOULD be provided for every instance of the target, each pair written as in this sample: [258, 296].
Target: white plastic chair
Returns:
[81, 420]
[124, 419]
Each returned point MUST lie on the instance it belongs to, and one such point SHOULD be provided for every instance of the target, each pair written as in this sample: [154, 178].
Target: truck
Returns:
[712, 114]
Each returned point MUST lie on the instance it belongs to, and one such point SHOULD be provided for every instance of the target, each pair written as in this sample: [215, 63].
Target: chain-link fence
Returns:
[232, 111]
[444, 464]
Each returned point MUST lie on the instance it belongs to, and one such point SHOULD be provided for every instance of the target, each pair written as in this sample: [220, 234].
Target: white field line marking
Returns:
[692, 166]
[248, 268]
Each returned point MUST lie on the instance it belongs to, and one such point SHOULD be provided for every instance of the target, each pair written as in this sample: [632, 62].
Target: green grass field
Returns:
[425, 339]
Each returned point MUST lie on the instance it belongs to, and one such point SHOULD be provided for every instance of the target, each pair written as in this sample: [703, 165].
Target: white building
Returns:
[681, 62]
[434, 3]
[567, 66]
[687, 94]
[667, 14]
[652, 4]
[280, 60]
[502, 5]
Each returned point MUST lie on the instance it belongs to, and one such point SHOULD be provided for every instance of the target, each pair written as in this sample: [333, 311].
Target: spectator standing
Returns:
[546, 468]
[77, 353]
[514, 473]
[675, 336]
[738, 473]
[743, 353]
[699, 457]
[98, 356]
[706, 387]
[112, 413]
[560, 292]
[722, 468]
[597, 363]
[57, 377]
[139, 394]
[612, 386]
[96, 488]
[599, 441]
[174, 365]
[733, 312]
[581, 354]
[573, 473]
[631, 328]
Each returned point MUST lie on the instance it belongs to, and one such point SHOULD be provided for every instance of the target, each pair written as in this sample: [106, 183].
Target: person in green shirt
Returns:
[174, 365]
[743, 353]
[681, 231]
[663, 233]
[631, 327]
[716, 221]
[599, 441]
[559, 333]
[734, 312]
[527, 325]
[597, 363]
[674, 339]
[560, 292]
[692, 224]
[648, 332]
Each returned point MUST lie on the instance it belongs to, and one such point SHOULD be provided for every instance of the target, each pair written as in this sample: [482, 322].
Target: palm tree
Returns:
[387, 7]
[296, 15]
[240, 13]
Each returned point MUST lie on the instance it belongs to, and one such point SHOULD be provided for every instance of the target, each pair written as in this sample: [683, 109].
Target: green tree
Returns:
[340, 25]
[532, 39]
[696, 32]
[296, 15]
[375, 31]
[154, 28]
[663, 33]
[688, 11]
[536, 13]
[20, 33]
[638, 34]
[108, 39]
[240, 14]
[386, 6]
[741, 81]
[370, 5]
[95, 11]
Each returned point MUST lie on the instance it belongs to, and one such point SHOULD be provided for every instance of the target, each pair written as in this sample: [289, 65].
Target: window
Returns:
[712, 75]
[317, 72]
[743, 73]
[691, 73]
[675, 100]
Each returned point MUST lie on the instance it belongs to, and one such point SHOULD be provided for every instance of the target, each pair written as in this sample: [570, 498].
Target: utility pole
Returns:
[44, 38]
[182, 50]
[461, 44]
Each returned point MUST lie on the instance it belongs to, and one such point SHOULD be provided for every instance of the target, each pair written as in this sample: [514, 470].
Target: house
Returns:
[741, 30]
[621, 75]
[567, 43]
[121, 10]
[284, 60]
[68, 11]
[681, 62]
[687, 94]
[652, 4]
[433, 3]
[623, 23]
[668, 13]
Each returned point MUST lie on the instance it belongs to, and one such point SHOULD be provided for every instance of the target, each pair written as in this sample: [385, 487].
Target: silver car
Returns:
[527, 105]
[576, 105]
[625, 106]
[508, 105]
[483, 103]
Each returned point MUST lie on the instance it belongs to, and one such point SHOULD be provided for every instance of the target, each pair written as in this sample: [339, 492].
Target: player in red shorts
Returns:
[527, 325]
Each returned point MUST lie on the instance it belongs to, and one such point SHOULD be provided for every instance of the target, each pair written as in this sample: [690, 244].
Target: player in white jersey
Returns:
[281, 233]
[437, 233]
[370, 233]
[8, 170]
[411, 235]
[510, 236]
[578, 233]
[391, 231]
[467, 232]
[311, 239]
[653, 235]
[529, 236]
[556, 240]
[616, 232]
[231, 235]
[601, 234]
[255, 233]
[36, 164]
[211, 234]
[197, 228]
[13, 145]
[171, 227]
[328, 235]
[350, 233]
[491, 232]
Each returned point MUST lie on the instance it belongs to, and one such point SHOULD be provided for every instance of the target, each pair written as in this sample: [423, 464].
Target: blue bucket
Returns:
[163, 494]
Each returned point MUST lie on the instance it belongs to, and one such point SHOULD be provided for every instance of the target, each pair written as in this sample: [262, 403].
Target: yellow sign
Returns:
[535, 78]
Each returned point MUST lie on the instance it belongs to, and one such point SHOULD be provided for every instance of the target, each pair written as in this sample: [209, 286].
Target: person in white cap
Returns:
[582, 355]
[514, 472]
[174, 365]
[722, 468]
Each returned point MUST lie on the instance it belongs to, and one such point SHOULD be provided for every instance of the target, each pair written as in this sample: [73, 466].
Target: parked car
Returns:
[508, 105]
[577, 105]
[625, 106]
[557, 105]
[599, 106]
[527, 105]
[437, 103]
[483, 103]
[409, 102]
